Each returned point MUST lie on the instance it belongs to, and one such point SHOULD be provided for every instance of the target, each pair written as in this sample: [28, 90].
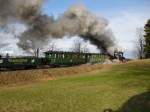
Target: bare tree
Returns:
[52, 46]
[77, 46]
[85, 48]
[80, 46]
[36, 52]
[139, 43]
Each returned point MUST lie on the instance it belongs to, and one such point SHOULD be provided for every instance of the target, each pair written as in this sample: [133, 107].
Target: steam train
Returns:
[51, 59]
[56, 59]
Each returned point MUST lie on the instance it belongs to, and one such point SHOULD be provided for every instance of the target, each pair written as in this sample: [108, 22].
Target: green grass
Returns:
[111, 88]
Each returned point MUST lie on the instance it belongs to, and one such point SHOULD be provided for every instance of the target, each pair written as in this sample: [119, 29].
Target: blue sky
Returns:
[124, 16]
[106, 7]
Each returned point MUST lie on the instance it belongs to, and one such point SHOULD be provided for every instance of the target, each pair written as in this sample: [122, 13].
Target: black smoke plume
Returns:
[40, 27]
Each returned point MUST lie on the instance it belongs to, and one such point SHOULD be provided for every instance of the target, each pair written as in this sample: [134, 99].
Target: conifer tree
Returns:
[147, 39]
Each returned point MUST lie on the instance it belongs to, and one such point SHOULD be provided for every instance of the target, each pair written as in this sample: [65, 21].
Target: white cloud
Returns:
[124, 25]
[66, 43]
[8, 39]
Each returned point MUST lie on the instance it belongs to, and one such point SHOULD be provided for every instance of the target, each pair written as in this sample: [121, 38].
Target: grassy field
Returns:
[122, 88]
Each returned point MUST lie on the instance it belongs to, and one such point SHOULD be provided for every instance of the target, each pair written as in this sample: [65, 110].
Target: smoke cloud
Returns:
[3, 45]
[75, 21]
[79, 21]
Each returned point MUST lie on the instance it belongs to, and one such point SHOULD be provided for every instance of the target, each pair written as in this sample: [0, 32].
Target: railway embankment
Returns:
[37, 75]
[34, 75]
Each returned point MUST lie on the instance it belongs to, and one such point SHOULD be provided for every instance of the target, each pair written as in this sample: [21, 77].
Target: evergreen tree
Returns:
[147, 39]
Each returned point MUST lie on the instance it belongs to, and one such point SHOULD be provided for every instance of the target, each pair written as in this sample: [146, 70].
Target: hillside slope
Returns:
[122, 88]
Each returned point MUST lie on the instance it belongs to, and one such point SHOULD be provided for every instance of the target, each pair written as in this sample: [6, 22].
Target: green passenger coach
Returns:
[73, 58]
[51, 58]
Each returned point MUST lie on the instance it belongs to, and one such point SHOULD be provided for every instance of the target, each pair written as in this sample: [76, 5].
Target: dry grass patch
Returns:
[23, 76]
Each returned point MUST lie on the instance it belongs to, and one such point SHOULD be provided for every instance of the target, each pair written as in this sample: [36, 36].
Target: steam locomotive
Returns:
[51, 59]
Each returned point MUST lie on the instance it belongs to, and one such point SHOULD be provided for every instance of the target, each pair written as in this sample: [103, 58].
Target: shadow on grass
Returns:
[137, 103]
